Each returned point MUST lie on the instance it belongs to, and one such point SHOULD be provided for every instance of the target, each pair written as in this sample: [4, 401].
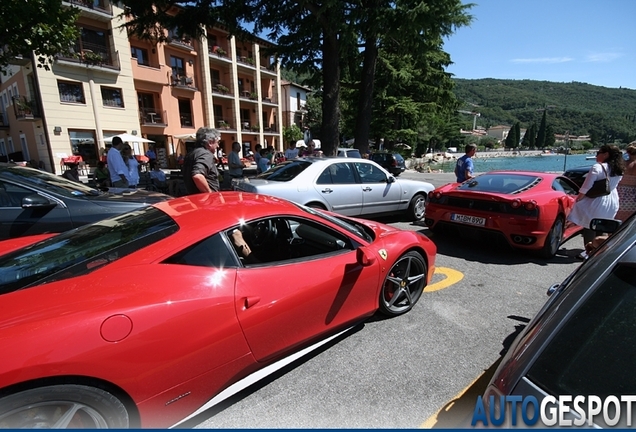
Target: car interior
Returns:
[281, 238]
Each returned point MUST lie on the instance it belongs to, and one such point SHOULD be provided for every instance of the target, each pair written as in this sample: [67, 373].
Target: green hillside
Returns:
[606, 114]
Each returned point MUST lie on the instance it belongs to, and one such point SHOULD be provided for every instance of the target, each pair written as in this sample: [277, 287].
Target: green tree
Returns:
[292, 134]
[541, 133]
[44, 27]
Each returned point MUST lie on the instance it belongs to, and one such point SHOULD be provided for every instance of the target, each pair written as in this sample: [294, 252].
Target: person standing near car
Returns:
[464, 166]
[292, 151]
[199, 168]
[234, 163]
[116, 166]
[609, 163]
[627, 187]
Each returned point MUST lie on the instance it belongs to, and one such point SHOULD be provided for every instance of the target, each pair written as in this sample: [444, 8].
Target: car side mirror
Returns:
[390, 179]
[36, 201]
[605, 225]
[364, 258]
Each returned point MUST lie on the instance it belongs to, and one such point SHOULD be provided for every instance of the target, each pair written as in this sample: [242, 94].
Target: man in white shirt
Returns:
[116, 165]
[292, 151]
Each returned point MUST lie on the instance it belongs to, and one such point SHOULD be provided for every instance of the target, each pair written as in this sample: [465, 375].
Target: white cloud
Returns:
[603, 57]
[543, 60]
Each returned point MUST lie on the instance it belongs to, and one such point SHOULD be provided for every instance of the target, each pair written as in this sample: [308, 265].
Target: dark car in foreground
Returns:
[35, 202]
[392, 162]
[583, 340]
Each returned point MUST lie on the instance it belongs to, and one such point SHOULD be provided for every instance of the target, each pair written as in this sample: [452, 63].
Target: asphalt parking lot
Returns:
[423, 369]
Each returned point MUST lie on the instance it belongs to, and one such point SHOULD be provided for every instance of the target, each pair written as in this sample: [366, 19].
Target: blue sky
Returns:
[590, 41]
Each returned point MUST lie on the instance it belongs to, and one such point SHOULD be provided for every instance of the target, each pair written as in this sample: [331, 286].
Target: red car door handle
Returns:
[251, 301]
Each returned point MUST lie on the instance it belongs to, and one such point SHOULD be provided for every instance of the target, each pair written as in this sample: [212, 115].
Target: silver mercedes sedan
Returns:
[352, 187]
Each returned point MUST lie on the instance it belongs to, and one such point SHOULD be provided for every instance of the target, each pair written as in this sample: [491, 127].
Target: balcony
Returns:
[25, 109]
[249, 61]
[153, 117]
[96, 9]
[98, 58]
[182, 43]
[222, 90]
[183, 81]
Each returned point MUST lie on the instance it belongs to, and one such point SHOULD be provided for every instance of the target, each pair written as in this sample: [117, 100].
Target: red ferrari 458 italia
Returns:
[529, 209]
[148, 318]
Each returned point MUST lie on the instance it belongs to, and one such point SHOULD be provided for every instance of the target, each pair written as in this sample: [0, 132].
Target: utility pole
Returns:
[567, 149]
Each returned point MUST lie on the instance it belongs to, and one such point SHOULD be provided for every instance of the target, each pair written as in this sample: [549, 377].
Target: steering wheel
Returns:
[263, 233]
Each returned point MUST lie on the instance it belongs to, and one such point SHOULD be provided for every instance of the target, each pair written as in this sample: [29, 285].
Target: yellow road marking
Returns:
[452, 277]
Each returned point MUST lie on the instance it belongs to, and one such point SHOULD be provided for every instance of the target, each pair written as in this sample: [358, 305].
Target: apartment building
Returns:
[294, 103]
[112, 84]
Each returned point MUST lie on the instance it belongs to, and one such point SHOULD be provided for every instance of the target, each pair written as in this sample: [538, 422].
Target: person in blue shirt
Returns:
[464, 166]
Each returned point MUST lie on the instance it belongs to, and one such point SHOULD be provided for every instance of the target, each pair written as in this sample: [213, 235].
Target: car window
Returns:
[78, 252]
[285, 171]
[47, 181]
[398, 157]
[211, 252]
[500, 183]
[370, 173]
[563, 185]
[593, 352]
[280, 239]
[11, 195]
[338, 173]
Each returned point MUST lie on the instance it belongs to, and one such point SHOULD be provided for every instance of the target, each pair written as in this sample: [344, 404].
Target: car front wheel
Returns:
[63, 407]
[403, 285]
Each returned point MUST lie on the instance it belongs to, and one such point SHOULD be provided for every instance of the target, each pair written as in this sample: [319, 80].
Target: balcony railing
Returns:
[153, 117]
[218, 51]
[180, 42]
[97, 5]
[221, 89]
[182, 81]
[25, 109]
[98, 57]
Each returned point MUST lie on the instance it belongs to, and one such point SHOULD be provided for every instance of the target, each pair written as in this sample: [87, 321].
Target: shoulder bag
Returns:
[600, 187]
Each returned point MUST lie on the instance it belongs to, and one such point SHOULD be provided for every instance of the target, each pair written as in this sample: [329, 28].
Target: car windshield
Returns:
[506, 183]
[285, 171]
[48, 182]
[83, 250]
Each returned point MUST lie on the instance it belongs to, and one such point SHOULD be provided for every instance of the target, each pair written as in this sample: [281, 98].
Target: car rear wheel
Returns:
[417, 206]
[403, 285]
[63, 407]
[316, 206]
[553, 240]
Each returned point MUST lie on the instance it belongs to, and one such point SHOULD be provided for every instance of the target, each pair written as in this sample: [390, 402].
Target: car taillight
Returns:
[530, 205]
[394, 163]
[515, 203]
[437, 195]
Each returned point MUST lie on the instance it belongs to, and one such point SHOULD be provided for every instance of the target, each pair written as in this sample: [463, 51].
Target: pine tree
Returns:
[541, 134]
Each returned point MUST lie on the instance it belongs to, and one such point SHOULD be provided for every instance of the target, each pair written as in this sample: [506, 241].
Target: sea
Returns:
[553, 163]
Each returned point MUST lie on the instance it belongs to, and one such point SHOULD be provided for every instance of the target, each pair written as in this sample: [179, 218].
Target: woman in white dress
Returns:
[133, 166]
[609, 161]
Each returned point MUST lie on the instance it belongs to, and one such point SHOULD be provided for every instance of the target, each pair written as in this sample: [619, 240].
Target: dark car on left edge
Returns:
[37, 202]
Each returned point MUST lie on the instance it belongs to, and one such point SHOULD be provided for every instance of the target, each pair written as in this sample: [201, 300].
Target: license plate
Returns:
[472, 220]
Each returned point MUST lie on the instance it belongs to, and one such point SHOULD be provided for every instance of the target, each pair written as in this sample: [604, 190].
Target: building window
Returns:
[141, 55]
[25, 148]
[176, 63]
[72, 92]
[216, 77]
[3, 148]
[112, 97]
[185, 112]
[297, 101]
[11, 146]
[83, 144]
[95, 41]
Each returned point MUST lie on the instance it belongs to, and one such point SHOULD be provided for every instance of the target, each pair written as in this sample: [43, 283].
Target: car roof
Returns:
[220, 210]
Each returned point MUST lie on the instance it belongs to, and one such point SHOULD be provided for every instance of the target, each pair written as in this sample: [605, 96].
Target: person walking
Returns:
[116, 167]
[199, 169]
[151, 155]
[465, 166]
[609, 164]
[627, 187]
[133, 166]
[234, 163]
